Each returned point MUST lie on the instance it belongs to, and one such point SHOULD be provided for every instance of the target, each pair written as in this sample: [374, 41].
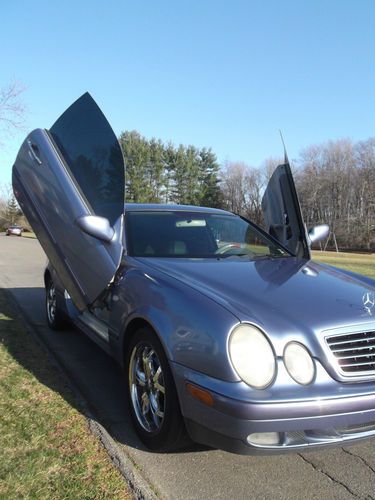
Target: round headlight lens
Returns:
[252, 356]
[299, 363]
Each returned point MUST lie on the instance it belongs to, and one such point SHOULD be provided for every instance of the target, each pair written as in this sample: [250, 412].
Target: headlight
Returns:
[252, 356]
[299, 363]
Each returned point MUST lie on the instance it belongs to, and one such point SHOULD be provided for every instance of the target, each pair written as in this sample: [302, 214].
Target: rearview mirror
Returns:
[96, 226]
[318, 233]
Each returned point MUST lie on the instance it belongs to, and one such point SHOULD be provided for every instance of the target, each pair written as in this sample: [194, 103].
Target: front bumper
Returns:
[273, 427]
[288, 442]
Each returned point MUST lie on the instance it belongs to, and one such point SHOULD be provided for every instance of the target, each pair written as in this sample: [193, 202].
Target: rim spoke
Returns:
[159, 413]
[156, 412]
[155, 418]
[159, 387]
[140, 378]
[145, 404]
[158, 384]
[155, 378]
[148, 391]
[146, 362]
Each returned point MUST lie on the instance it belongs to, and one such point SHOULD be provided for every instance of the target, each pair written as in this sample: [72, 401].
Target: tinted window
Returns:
[195, 234]
[93, 156]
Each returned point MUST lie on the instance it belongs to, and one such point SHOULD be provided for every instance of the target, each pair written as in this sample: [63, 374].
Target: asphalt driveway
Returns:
[199, 472]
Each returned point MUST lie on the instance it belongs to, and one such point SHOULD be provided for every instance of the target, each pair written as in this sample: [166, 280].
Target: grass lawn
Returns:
[29, 234]
[357, 262]
[47, 450]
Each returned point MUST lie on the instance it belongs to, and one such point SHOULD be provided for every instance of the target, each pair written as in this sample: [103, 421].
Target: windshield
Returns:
[195, 234]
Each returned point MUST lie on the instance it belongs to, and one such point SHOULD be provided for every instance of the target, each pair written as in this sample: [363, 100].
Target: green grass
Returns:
[357, 262]
[29, 234]
[47, 450]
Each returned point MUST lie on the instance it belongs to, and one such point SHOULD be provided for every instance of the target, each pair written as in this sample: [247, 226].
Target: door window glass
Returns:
[93, 156]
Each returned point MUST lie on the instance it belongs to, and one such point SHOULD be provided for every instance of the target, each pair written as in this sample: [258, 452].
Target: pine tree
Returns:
[137, 157]
[157, 172]
[13, 211]
[211, 195]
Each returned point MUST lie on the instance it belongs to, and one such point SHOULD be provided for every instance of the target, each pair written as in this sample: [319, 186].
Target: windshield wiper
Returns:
[271, 256]
[253, 256]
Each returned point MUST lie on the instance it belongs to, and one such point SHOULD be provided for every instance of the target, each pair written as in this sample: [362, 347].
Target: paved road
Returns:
[199, 473]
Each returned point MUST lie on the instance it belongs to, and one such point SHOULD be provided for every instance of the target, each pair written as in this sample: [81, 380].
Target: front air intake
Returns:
[354, 352]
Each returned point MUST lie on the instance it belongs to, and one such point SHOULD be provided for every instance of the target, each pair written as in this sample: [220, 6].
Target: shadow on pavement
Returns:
[94, 373]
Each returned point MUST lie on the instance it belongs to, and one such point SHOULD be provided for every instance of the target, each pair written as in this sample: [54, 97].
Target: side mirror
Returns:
[318, 233]
[96, 226]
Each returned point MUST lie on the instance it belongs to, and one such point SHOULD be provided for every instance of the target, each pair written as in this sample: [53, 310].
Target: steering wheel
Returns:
[224, 249]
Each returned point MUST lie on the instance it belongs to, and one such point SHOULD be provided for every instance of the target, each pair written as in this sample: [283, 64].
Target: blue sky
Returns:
[221, 74]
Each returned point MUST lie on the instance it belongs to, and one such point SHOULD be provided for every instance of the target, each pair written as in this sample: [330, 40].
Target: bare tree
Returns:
[364, 192]
[254, 184]
[233, 180]
[12, 109]
[336, 183]
[242, 188]
[268, 166]
[5, 195]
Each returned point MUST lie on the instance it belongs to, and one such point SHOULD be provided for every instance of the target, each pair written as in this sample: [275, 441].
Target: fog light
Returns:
[264, 438]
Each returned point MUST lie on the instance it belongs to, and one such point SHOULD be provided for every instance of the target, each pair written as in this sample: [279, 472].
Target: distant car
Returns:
[15, 230]
[226, 333]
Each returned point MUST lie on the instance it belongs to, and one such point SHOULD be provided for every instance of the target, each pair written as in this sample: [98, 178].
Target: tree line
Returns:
[336, 185]
[335, 182]
[164, 173]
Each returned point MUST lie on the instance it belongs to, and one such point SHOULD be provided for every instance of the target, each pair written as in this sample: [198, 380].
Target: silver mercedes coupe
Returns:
[228, 335]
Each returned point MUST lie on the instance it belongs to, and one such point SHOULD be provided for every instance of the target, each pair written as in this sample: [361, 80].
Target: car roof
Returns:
[140, 207]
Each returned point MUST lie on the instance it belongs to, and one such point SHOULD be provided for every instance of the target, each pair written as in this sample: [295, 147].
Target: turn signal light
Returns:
[201, 395]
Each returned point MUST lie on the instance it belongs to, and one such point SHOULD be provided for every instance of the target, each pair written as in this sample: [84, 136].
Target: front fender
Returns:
[192, 328]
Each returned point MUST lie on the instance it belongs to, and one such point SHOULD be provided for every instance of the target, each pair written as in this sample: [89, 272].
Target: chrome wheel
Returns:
[51, 303]
[147, 387]
[153, 401]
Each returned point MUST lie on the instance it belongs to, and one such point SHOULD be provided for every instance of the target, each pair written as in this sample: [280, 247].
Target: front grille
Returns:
[355, 352]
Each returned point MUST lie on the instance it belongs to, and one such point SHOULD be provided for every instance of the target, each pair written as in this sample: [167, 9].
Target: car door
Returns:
[282, 212]
[69, 182]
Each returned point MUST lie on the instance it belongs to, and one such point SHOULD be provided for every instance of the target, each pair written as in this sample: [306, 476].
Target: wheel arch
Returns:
[47, 276]
[131, 328]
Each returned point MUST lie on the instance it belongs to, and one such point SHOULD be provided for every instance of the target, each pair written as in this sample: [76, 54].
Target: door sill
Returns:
[95, 325]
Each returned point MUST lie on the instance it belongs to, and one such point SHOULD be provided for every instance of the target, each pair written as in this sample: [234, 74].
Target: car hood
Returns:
[276, 293]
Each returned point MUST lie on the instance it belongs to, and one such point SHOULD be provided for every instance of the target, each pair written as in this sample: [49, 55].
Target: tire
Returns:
[55, 317]
[151, 388]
